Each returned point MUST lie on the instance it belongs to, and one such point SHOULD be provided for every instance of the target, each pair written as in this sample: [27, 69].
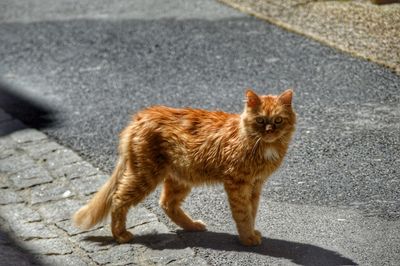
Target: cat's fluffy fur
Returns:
[187, 147]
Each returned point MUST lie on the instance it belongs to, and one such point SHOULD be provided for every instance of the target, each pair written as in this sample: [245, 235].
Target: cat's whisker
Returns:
[255, 147]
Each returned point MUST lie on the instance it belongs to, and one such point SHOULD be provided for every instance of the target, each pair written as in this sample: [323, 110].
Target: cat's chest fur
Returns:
[271, 154]
[272, 159]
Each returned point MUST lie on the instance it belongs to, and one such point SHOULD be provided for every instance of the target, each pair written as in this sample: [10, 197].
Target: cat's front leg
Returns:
[240, 200]
[255, 199]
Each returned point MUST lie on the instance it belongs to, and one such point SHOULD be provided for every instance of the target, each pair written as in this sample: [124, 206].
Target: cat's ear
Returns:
[252, 99]
[286, 97]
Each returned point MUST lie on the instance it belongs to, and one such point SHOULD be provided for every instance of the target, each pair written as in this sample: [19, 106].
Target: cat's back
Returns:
[184, 139]
[190, 119]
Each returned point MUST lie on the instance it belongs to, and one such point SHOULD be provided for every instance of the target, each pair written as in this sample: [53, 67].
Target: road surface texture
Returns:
[334, 201]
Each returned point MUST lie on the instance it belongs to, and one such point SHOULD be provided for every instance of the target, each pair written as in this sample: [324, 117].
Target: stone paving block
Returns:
[139, 215]
[102, 239]
[38, 150]
[157, 236]
[152, 228]
[35, 175]
[9, 126]
[48, 246]
[28, 231]
[63, 260]
[60, 210]
[136, 216]
[6, 142]
[6, 153]
[93, 241]
[8, 196]
[50, 192]
[60, 158]
[16, 163]
[117, 255]
[189, 261]
[167, 256]
[27, 135]
[87, 185]
[72, 230]
[19, 212]
[4, 181]
[75, 170]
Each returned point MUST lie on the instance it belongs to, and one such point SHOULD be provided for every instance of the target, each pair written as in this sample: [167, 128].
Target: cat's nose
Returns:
[269, 128]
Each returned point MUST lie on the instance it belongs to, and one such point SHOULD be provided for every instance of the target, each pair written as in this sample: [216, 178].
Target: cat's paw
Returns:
[197, 225]
[258, 233]
[124, 237]
[251, 240]
[200, 225]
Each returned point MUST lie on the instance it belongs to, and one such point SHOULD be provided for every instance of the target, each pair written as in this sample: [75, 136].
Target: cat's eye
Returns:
[260, 120]
[278, 120]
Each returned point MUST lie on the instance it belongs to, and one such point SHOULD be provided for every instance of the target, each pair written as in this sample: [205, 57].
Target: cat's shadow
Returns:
[299, 253]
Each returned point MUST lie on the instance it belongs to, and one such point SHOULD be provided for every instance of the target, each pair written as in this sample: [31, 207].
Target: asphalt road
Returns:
[336, 198]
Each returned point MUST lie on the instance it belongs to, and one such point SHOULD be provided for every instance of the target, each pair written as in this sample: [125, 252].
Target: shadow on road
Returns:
[13, 254]
[299, 253]
[31, 112]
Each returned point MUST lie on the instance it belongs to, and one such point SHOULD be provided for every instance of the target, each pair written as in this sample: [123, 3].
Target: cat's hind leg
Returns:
[132, 189]
[171, 199]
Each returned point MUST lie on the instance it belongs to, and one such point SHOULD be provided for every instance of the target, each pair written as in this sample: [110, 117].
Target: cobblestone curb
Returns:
[42, 183]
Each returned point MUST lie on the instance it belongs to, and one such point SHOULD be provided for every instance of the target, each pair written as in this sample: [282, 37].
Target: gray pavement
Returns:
[335, 200]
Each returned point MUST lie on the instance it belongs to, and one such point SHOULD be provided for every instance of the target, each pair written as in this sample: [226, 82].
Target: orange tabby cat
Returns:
[188, 147]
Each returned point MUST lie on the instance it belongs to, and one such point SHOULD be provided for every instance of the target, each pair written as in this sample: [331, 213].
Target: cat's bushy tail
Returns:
[99, 206]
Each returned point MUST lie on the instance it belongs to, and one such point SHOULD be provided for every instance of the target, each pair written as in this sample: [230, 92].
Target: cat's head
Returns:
[269, 117]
